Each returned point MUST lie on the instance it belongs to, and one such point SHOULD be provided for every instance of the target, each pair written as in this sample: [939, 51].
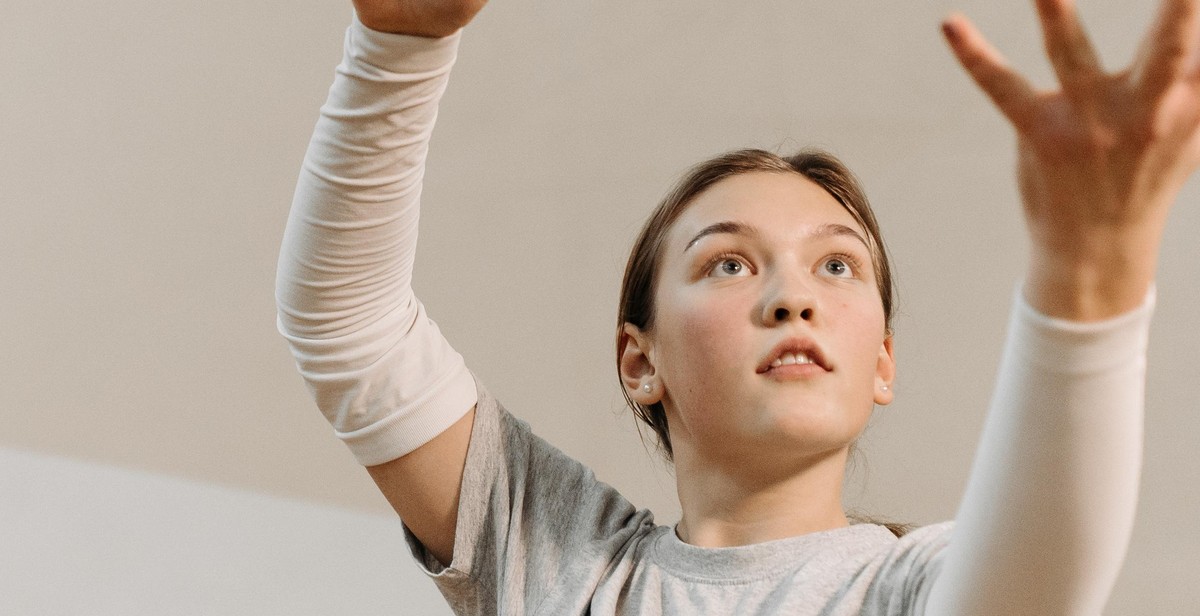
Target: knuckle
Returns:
[1173, 50]
[1139, 137]
[1092, 141]
[1100, 139]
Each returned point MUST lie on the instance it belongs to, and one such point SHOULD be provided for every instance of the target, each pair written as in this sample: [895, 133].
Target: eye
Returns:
[728, 266]
[840, 266]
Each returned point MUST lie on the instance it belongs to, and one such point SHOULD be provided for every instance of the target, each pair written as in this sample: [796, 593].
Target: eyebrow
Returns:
[826, 230]
[833, 229]
[728, 226]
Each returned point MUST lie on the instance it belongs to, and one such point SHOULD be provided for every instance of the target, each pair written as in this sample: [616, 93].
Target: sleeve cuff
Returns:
[400, 434]
[1066, 346]
[400, 53]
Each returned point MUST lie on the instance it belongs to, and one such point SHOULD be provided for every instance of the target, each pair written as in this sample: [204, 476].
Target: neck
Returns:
[733, 503]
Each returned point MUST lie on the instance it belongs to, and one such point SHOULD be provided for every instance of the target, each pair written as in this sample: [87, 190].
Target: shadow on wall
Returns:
[85, 539]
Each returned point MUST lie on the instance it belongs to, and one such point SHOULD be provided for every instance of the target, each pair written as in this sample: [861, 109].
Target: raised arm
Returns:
[380, 371]
[1049, 508]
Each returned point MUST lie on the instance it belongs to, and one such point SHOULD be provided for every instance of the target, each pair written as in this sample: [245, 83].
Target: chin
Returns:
[815, 433]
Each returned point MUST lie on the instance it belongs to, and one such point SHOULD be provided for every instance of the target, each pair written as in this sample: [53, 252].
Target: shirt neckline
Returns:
[740, 563]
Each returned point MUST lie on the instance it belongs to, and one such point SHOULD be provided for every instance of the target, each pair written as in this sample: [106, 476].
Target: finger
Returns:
[1067, 44]
[1168, 53]
[1011, 93]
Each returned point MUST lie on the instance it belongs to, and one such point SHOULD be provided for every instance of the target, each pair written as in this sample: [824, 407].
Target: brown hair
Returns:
[641, 273]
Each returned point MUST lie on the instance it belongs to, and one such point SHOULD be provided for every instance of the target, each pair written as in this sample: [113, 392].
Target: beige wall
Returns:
[148, 152]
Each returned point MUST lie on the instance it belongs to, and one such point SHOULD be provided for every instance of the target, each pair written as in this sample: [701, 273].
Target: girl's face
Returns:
[769, 332]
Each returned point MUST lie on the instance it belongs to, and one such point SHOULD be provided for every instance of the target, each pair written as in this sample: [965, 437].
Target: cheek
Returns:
[865, 335]
[699, 366]
[700, 338]
[705, 327]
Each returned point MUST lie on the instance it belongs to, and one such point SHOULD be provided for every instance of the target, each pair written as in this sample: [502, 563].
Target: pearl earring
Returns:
[883, 387]
[647, 388]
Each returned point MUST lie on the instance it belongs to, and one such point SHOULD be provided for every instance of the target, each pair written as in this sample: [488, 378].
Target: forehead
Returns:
[774, 203]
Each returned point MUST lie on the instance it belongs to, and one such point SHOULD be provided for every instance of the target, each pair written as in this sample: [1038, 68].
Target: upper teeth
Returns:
[788, 359]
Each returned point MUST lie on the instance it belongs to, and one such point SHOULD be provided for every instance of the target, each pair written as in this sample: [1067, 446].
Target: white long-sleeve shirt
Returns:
[1042, 528]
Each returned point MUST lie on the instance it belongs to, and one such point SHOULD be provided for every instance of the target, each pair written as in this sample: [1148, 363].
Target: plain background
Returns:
[148, 153]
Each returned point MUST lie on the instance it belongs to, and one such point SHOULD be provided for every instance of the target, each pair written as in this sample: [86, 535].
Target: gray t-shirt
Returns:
[539, 535]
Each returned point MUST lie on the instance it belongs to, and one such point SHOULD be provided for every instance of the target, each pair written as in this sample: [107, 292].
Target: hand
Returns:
[432, 18]
[1099, 161]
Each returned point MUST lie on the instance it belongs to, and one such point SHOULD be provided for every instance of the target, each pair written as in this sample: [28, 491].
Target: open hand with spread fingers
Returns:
[432, 18]
[1101, 160]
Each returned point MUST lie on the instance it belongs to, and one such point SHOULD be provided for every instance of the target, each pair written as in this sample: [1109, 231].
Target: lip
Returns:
[795, 345]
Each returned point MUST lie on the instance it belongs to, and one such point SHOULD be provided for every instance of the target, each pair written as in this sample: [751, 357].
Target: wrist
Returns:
[1083, 284]
[423, 19]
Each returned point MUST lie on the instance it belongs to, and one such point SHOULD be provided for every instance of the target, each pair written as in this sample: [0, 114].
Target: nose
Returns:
[787, 299]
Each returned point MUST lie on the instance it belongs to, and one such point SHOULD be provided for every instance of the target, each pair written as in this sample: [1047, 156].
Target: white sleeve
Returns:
[380, 370]
[1048, 511]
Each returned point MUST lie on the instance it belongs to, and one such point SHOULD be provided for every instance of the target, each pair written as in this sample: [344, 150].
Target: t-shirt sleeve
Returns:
[529, 516]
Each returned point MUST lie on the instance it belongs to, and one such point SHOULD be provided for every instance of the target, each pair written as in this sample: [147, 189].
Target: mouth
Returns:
[803, 354]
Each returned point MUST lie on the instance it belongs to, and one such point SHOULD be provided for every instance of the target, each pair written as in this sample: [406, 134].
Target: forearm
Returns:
[1049, 507]
[377, 366]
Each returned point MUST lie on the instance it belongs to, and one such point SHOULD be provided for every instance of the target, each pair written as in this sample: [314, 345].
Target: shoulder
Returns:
[523, 500]
[919, 549]
[907, 568]
[554, 486]
[930, 536]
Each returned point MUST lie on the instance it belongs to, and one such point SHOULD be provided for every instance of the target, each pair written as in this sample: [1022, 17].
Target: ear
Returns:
[637, 367]
[885, 373]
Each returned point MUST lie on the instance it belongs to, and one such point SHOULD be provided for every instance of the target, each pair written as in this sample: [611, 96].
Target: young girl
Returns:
[755, 340]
